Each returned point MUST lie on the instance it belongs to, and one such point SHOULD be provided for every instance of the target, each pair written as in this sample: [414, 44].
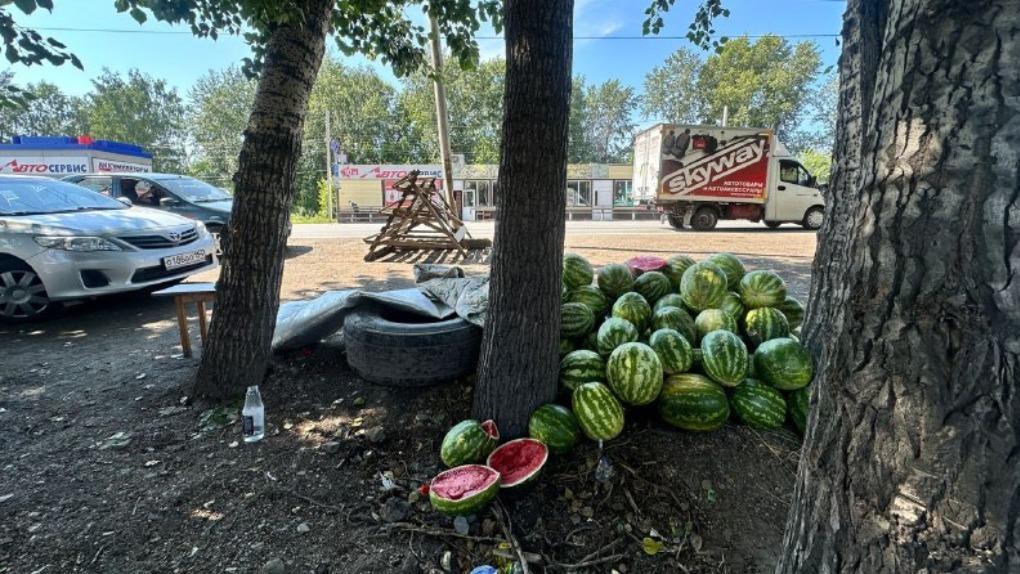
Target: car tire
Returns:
[773, 224]
[397, 349]
[675, 221]
[23, 296]
[814, 218]
[704, 219]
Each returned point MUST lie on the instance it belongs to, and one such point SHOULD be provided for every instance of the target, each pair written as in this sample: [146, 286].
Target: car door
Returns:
[795, 193]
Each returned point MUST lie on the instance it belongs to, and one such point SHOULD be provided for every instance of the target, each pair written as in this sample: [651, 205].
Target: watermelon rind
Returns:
[674, 350]
[615, 332]
[758, 404]
[731, 266]
[784, 363]
[793, 310]
[468, 505]
[733, 306]
[668, 300]
[591, 296]
[693, 402]
[712, 320]
[576, 271]
[677, 319]
[762, 289]
[633, 307]
[765, 323]
[581, 366]
[598, 412]
[797, 407]
[505, 482]
[724, 357]
[703, 286]
[556, 426]
[468, 441]
[615, 279]
[674, 269]
[634, 373]
[652, 285]
[576, 320]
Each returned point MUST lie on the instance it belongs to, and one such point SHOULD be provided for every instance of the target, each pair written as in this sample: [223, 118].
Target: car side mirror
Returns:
[125, 201]
[167, 202]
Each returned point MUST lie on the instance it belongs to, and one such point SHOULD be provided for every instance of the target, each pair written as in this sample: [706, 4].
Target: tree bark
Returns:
[911, 461]
[520, 357]
[248, 292]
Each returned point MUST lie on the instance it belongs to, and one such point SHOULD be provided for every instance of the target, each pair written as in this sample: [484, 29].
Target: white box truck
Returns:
[697, 175]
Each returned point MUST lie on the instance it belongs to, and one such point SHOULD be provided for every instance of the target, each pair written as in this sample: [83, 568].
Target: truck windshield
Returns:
[37, 197]
[194, 191]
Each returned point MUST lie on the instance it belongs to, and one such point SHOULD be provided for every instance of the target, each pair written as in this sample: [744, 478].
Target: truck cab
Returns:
[794, 196]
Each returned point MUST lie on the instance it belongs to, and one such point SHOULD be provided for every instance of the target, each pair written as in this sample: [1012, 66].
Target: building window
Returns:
[579, 193]
[482, 190]
[621, 193]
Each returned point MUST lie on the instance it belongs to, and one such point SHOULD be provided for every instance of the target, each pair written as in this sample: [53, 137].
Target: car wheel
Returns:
[704, 219]
[23, 296]
[813, 218]
[772, 224]
[675, 221]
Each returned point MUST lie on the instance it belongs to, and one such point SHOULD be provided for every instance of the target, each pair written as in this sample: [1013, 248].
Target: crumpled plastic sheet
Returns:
[442, 292]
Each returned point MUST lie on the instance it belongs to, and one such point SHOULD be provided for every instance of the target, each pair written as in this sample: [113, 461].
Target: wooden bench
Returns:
[197, 293]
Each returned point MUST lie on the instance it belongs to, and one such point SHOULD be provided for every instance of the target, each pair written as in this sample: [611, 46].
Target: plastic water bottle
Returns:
[253, 416]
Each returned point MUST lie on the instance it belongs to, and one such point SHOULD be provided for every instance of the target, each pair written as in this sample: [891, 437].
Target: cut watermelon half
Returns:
[518, 461]
[644, 263]
[464, 489]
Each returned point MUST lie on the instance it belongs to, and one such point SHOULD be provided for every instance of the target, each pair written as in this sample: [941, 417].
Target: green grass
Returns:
[315, 218]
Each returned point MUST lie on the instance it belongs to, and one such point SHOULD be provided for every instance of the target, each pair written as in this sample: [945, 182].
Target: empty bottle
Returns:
[253, 416]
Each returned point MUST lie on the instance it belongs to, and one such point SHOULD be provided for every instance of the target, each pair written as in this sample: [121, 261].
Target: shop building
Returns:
[61, 156]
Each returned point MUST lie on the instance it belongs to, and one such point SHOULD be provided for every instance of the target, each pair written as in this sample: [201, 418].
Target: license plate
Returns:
[183, 260]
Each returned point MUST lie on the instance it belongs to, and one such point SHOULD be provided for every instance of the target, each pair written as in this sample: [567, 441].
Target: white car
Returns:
[60, 242]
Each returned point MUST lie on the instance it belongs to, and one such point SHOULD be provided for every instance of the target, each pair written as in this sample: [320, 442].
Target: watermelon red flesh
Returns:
[464, 489]
[518, 460]
[642, 263]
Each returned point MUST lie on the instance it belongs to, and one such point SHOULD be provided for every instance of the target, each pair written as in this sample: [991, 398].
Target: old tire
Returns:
[813, 218]
[396, 349]
[704, 219]
[675, 221]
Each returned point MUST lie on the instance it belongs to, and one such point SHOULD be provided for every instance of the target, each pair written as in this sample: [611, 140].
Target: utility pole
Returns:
[441, 114]
[329, 167]
[725, 115]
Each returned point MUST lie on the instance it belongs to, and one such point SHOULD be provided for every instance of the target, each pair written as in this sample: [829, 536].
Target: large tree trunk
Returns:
[248, 293]
[520, 357]
[912, 457]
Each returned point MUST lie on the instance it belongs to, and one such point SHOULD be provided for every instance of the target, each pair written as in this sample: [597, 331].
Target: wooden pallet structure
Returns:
[421, 220]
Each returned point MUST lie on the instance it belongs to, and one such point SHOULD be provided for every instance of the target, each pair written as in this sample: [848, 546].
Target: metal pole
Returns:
[443, 122]
[329, 167]
[725, 115]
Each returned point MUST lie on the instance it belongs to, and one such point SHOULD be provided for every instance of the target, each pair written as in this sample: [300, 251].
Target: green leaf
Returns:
[651, 546]
[46, 4]
[138, 15]
[26, 6]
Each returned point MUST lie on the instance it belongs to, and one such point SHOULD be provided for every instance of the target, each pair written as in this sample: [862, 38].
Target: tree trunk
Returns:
[248, 292]
[912, 457]
[520, 358]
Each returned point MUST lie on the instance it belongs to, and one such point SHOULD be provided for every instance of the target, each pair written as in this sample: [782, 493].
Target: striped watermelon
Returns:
[784, 363]
[615, 332]
[758, 404]
[576, 319]
[669, 300]
[797, 407]
[464, 489]
[762, 289]
[677, 319]
[652, 285]
[765, 323]
[732, 306]
[674, 269]
[576, 271]
[518, 461]
[566, 345]
[634, 373]
[693, 402]
[703, 286]
[674, 351]
[468, 441]
[555, 426]
[633, 307]
[793, 311]
[598, 413]
[731, 266]
[580, 367]
[615, 279]
[591, 296]
[724, 357]
[712, 320]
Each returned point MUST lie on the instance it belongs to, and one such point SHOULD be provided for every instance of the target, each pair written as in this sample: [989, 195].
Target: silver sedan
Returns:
[61, 242]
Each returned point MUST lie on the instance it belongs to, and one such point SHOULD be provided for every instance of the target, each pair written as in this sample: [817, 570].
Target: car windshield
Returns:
[41, 196]
[194, 191]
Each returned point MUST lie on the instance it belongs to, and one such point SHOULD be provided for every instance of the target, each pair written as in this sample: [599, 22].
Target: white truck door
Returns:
[793, 194]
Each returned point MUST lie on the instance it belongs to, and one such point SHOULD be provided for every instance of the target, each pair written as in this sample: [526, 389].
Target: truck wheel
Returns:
[772, 224]
[704, 219]
[675, 221]
[813, 218]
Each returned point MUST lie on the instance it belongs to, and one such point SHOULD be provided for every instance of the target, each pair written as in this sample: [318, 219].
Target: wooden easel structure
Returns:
[421, 220]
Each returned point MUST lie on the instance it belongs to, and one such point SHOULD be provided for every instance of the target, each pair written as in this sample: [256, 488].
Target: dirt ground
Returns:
[106, 465]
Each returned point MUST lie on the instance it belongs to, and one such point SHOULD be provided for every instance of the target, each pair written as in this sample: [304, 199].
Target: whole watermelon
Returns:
[783, 363]
[674, 351]
[758, 404]
[703, 286]
[669, 300]
[468, 441]
[615, 332]
[674, 269]
[732, 306]
[731, 266]
[615, 279]
[693, 402]
[576, 320]
[652, 285]
[598, 413]
[712, 320]
[555, 426]
[724, 357]
[633, 307]
[677, 319]
[576, 271]
[765, 323]
[634, 373]
[762, 289]
[797, 407]
[582, 366]
[591, 296]
[793, 311]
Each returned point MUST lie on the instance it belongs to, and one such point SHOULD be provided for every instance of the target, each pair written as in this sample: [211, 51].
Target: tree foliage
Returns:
[49, 112]
[601, 121]
[220, 103]
[671, 91]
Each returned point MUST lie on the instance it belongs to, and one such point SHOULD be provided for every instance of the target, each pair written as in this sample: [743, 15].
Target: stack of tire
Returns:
[701, 342]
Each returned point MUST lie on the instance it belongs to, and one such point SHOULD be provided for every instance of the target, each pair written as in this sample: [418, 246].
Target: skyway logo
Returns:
[704, 171]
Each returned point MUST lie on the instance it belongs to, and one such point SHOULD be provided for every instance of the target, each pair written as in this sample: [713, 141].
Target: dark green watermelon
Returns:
[677, 319]
[793, 311]
[797, 407]
[674, 269]
[732, 306]
[555, 426]
[669, 300]
[581, 366]
[576, 271]
[652, 285]
[762, 289]
[712, 320]
[576, 320]
[758, 404]
[591, 296]
[615, 279]
[693, 402]
[784, 363]
[731, 266]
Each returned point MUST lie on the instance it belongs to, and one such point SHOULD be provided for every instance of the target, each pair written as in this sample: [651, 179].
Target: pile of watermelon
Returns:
[700, 342]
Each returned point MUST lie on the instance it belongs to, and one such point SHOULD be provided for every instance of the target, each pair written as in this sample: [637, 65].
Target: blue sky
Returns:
[181, 59]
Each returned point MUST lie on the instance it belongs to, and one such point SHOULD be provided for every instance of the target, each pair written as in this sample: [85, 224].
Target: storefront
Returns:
[62, 156]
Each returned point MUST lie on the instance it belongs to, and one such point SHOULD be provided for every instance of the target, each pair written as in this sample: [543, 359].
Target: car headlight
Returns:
[77, 243]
